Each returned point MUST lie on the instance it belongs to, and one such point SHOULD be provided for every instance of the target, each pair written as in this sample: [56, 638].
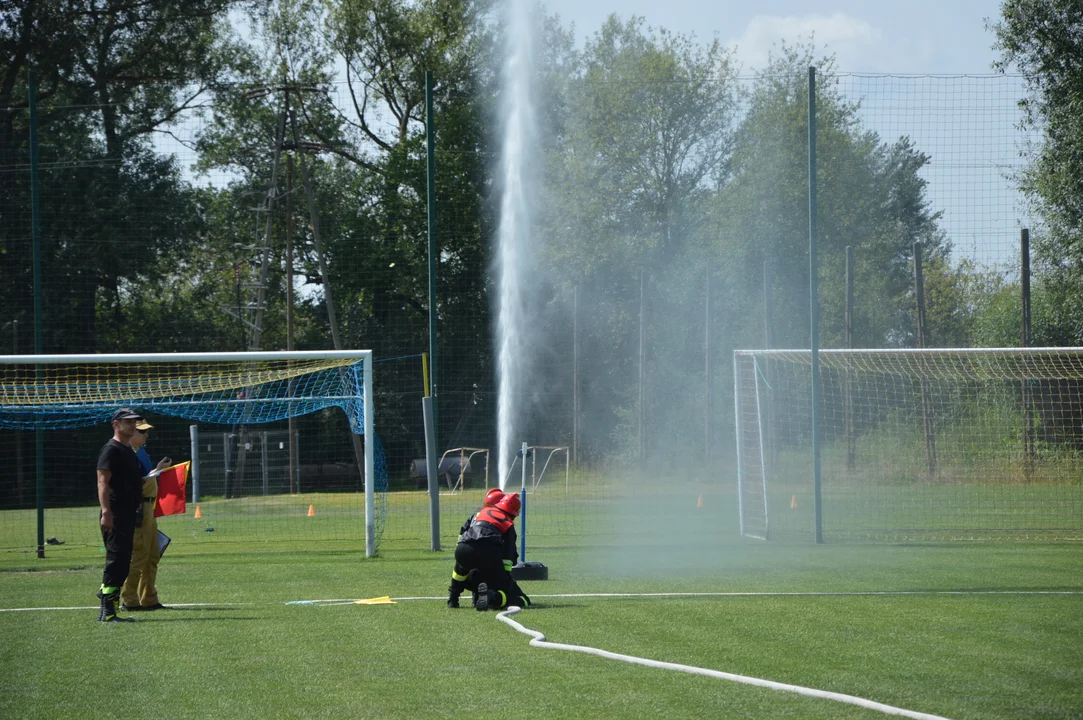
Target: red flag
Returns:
[171, 484]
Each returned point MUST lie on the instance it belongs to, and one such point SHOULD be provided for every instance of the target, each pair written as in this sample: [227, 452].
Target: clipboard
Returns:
[163, 542]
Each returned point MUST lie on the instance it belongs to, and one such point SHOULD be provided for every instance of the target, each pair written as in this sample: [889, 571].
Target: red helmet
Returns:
[493, 497]
[510, 504]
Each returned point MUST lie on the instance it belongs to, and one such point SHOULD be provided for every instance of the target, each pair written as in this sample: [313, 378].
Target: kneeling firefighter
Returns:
[462, 581]
[486, 553]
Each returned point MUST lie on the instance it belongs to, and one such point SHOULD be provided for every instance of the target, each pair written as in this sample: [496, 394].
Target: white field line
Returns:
[823, 594]
[350, 601]
[97, 607]
[855, 593]
[538, 640]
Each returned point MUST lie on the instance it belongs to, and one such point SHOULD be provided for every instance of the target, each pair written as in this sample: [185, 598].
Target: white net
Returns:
[915, 444]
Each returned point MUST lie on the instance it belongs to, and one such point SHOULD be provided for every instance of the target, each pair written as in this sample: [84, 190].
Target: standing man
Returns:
[120, 484]
[140, 591]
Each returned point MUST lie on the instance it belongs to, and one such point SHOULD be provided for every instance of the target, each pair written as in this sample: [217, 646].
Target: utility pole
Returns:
[251, 315]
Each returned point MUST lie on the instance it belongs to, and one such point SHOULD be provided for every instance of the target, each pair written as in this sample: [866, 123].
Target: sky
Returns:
[916, 37]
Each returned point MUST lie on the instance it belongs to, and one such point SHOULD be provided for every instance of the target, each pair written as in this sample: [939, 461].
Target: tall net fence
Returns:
[188, 238]
[969, 127]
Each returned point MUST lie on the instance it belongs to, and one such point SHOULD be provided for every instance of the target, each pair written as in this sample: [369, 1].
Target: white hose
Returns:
[538, 640]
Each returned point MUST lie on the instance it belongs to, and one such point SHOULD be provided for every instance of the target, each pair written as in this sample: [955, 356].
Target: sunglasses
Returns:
[142, 432]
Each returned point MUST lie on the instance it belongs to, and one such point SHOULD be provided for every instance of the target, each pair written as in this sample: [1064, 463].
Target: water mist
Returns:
[514, 252]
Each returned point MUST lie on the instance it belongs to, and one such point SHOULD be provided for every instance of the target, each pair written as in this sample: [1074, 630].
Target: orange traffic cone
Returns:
[312, 511]
[198, 513]
[699, 502]
[793, 503]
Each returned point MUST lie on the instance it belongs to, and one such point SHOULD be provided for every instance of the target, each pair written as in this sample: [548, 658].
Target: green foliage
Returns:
[107, 78]
[658, 163]
[1043, 40]
[651, 123]
[648, 131]
[871, 198]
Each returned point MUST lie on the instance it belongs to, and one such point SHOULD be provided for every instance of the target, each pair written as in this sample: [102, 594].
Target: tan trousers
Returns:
[139, 588]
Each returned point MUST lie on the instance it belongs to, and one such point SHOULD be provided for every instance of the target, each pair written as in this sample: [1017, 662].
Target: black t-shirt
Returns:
[126, 483]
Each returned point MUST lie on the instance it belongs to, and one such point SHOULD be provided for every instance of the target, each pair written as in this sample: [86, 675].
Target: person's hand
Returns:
[163, 463]
[107, 520]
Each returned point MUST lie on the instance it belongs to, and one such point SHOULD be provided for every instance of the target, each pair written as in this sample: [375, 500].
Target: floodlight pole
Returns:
[35, 232]
[814, 309]
[430, 183]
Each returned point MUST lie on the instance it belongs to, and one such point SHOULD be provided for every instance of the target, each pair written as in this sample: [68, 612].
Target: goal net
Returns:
[915, 444]
[282, 444]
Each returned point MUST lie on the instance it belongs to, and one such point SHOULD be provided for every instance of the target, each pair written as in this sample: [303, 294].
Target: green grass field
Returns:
[964, 630]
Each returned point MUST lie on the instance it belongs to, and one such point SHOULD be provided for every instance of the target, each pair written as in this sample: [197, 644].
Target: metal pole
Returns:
[35, 232]
[193, 434]
[35, 211]
[256, 339]
[919, 296]
[432, 474]
[814, 304]
[707, 375]
[227, 459]
[1024, 273]
[642, 368]
[768, 342]
[20, 463]
[292, 422]
[849, 313]
[522, 510]
[297, 462]
[522, 525]
[328, 297]
[265, 461]
[289, 252]
[926, 399]
[768, 305]
[575, 374]
[848, 398]
[430, 182]
[369, 416]
[1024, 339]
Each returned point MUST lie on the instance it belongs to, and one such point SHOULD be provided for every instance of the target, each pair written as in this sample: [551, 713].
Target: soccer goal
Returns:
[915, 444]
[282, 444]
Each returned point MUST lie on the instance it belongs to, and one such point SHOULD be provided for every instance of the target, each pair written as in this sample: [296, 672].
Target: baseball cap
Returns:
[125, 414]
[143, 425]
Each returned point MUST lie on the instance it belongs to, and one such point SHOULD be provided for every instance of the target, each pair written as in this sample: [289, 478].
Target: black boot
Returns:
[486, 598]
[109, 609]
[454, 591]
[481, 597]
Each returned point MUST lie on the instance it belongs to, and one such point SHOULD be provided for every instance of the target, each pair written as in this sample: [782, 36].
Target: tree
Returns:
[1043, 39]
[110, 73]
[870, 194]
[363, 142]
[650, 126]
